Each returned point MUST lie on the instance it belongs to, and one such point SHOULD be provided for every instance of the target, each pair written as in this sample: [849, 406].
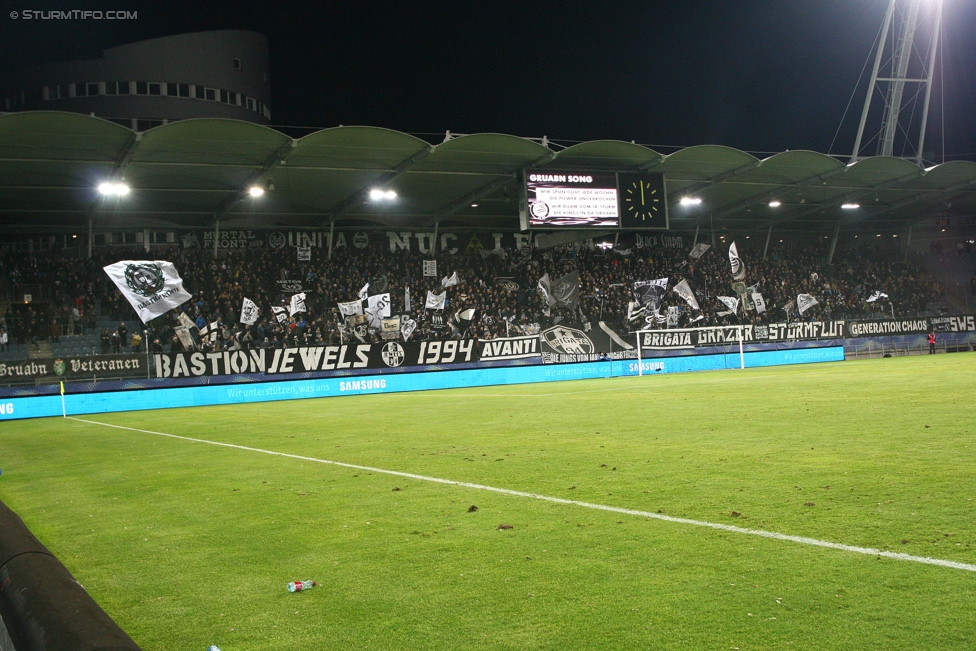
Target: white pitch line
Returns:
[803, 540]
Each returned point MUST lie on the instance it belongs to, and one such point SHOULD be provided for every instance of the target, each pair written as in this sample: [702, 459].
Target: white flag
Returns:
[450, 281]
[465, 315]
[684, 291]
[805, 302]
[151, 287]
[759, 302]
[185, 321]
[249, 312]
[304, 253]
[364, 292]
[297, 304]
[875, 296]
[730, 302]
[281, 314]
[406, 298]
[699, 250]
[379, 302]
[430, 268]
[435, 301]
[738, 268]
[351, 308]
[185, 337]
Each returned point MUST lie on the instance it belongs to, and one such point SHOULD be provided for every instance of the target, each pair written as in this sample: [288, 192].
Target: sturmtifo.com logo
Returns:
[145, 279]
[73, 14]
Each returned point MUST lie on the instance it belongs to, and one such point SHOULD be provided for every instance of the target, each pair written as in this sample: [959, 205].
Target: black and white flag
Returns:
[351, 308]
[684, 291]
[565, 290]
[698, 250]
[650, 292]
[406, 298]
[759, 302]
[738, 268]
[280, 314]
[730, 302]
[876, 295]
[364, 292]
[544, 289]
[249, 312]
[407, 327]
[152, 287]
[430, 268]
[435, 301]
[297, 304]
[304, 253]
[804, 302]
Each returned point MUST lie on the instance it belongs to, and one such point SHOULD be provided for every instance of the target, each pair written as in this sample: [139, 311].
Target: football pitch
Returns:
[620, 513]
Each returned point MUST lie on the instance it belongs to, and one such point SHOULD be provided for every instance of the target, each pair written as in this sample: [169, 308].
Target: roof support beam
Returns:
[701, 185]
[775, 194]
[273, 161]
[459, 204]
[359, 196]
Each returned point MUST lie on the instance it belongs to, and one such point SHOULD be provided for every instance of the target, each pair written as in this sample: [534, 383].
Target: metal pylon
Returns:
[905, 64]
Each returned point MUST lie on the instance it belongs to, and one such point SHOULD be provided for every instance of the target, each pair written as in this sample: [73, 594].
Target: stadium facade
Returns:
[213, 74]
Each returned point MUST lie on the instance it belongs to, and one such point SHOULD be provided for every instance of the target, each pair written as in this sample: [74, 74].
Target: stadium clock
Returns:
[643, 202]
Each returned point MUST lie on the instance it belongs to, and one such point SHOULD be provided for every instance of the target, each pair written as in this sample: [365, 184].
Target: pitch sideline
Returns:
[802, 540]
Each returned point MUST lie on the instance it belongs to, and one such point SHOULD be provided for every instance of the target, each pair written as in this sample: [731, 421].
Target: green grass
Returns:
[187, 544]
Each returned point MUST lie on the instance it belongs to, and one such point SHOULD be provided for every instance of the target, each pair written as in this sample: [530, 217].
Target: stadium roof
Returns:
[193, 173]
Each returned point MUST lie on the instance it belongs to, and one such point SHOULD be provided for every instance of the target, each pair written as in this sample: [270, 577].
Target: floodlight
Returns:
[379, 195]
[474, 205]
[774, 204]
[690, 201]
[850, 206]
[255, 191]
[113, 189]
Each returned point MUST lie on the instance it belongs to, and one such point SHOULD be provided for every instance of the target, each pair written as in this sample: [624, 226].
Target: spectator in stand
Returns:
[116, 341]
[4, 339]
[106, 341]
[136, 341]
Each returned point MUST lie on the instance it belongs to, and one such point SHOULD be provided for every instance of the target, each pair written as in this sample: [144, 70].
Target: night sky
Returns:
[759, 75]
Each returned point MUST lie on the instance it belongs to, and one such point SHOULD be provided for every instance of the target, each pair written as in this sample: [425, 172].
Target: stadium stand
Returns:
[85, 309]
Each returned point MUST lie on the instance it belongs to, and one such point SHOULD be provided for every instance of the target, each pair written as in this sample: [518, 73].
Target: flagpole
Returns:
[640, 366]
[64, 413]
[742, 355]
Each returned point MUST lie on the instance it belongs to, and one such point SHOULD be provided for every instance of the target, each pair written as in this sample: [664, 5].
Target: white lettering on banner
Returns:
[445, 352]
[512, 348]
[665, 339]
[7, 408]
[859, 329]
[399, 241]
[31, 369]
[90, 365]
[362, 385]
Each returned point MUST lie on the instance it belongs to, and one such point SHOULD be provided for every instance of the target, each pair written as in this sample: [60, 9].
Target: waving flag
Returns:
[152, 287]
[738, 268]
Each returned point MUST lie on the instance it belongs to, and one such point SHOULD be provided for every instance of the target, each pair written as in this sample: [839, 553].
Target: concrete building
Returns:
[218, 74]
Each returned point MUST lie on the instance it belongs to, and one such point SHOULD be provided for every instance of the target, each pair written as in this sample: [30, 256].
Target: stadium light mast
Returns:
[904, 64]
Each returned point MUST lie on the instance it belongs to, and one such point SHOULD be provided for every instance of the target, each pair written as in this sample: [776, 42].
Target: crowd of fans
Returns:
[501, 288]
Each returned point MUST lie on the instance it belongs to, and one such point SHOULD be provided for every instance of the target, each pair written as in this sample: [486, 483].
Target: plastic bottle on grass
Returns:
[212, 647]
[298, 586]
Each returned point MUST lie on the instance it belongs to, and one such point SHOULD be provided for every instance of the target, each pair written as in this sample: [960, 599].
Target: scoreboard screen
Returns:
[564, 200]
